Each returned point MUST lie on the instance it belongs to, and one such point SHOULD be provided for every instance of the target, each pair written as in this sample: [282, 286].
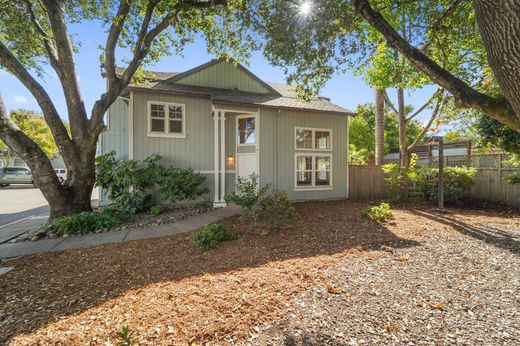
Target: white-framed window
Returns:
[313, 171]
[246, 130]
[312, 139]
[166, 119]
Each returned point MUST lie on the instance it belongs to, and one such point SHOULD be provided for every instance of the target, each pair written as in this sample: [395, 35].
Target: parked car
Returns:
[62, 174]
[16, 175]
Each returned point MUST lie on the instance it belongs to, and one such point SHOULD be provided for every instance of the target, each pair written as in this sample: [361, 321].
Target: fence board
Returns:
[366, 182]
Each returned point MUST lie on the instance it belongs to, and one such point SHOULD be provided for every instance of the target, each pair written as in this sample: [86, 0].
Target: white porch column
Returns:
[222, 158]
[215, 144]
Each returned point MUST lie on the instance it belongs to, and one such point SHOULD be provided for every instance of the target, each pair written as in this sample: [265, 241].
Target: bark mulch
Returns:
[169, 292]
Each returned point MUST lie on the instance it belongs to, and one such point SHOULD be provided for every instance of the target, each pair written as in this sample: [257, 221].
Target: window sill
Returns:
[313, 188]
[166, 135]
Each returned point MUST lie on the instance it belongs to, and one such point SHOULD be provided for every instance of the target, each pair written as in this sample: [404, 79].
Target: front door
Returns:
[247, 145]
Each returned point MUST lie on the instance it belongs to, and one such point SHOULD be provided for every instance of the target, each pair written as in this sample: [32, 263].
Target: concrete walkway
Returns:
[8, 250]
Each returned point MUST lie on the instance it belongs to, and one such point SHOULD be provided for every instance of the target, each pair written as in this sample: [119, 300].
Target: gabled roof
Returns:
[277, 95]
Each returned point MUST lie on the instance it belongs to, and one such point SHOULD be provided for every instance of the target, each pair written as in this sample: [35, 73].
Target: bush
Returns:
[457, 183]
[181, 184]
[86, 222]
[513, 178]
[212, 235]
[156, 210]
[276, 209]
[379, 213]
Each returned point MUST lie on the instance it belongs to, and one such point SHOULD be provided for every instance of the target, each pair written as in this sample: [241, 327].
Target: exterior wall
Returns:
[116, 136]
[277, 151]
[224, 76]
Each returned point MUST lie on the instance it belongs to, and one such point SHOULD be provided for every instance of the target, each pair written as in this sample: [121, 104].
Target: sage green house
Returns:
[224, 122]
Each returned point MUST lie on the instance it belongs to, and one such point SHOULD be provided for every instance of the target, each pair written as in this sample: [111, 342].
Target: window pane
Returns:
[303, 178]
[176, 126]
[304, 163]
[304, 139]
[322, 178]
[157, 125]
[322, 139]
[175, 112]
[322, 163]
[157, 111]
[246, 131]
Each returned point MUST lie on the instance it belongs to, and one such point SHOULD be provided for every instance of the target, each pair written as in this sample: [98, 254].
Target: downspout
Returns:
[131, 126]
[222, 158]
[215, 144]
[276, 149]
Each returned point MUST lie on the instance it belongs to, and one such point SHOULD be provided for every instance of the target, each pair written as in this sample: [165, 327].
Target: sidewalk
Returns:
[8, 250]
[19, 227]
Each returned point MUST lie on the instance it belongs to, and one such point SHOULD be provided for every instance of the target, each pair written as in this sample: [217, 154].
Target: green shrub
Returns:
[211, 235]
[380, 212]
[513, 178]
[85, 222]
[393, 179]
[276, 209]
[156, 210]
[181, 184]
[457, 183]
[125, 337]
[247, 196]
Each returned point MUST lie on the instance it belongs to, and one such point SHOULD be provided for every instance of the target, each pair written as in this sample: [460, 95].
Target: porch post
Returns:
[215, 144]
[222, 158]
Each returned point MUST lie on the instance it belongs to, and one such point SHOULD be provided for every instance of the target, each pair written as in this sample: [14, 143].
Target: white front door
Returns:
[247, 145]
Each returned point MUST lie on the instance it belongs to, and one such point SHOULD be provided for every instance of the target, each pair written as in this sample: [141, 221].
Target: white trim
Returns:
[245, 116]
[211, 171]
[215, 144]
[222, 157]
[131, 126]
[313, 170]
[313, 137]
[166, 133]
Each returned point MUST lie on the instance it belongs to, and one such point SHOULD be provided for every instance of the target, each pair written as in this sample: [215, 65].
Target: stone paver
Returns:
[8, 250]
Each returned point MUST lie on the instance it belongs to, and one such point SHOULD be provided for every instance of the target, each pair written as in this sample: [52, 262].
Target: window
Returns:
[313, 171]
[313, 139]
[246, 131]
[166, 120]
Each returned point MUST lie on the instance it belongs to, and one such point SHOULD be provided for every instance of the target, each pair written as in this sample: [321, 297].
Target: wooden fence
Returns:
[490, 185]
[365, 182]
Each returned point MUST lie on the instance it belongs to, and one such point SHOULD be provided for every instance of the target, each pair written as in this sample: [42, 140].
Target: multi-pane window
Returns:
[314, 139]
[166, 119]
[313, 169]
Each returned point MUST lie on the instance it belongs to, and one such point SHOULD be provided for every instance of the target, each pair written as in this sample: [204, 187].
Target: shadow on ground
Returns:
[488, 233]
[39, 289]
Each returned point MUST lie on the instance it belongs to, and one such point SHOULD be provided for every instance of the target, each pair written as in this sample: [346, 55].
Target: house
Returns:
[224, 122]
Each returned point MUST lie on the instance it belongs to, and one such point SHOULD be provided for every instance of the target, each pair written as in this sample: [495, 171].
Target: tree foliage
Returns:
[494, 133]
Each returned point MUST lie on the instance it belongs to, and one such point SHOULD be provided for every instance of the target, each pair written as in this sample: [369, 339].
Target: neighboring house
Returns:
[224, 122]
[459, 148]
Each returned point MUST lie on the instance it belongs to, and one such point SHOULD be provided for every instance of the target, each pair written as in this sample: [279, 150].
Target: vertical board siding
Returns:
[365, 182]
[224, 76]
[195, 151]
[277, 151]
[115, 138]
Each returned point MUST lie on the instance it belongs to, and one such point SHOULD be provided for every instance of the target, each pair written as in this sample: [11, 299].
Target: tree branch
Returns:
[59, 132]
[435, 113]
[465, 96]
[423, 107]
[113, 37]
[389, 103]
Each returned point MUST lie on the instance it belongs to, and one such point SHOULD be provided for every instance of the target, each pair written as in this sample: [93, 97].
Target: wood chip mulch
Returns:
[169, 292]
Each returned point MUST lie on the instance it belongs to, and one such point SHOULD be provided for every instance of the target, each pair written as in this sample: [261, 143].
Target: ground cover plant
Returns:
[86, 222]
[210, 236]
[380, 213]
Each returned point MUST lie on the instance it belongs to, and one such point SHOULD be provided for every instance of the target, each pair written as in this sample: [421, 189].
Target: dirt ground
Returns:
[247, 290]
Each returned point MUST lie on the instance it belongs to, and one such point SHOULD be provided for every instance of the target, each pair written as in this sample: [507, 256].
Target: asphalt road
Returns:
[20, 201]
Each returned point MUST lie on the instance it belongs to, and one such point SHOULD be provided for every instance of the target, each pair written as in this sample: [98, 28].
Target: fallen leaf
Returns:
[435, 305]
[334, 290]
[387, 249]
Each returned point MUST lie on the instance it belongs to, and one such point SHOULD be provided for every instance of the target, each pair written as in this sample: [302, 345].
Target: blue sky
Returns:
[345, 90]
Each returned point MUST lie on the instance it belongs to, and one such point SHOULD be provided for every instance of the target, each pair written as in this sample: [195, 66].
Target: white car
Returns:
[16, 175]
[62, 174]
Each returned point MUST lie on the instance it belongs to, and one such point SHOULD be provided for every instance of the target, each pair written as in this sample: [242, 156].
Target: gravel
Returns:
[451, 289]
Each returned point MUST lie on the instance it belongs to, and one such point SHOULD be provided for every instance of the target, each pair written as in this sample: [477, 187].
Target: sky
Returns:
[345, 90]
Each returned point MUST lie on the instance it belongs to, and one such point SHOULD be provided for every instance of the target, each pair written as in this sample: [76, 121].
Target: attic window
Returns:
[166, 119]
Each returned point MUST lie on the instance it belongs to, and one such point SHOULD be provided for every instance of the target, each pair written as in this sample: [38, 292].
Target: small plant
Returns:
[212, 235]
[86, 222]
[124, 336]
[247, 196]
[379, 213]
[276, 209]
[156, 210]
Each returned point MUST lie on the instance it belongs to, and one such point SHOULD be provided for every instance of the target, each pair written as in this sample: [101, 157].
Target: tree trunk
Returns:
[380, 126]
[499, 25]
[403, 146]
